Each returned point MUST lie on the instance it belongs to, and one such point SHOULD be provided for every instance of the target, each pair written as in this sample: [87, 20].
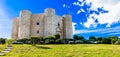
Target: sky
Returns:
[100, 18]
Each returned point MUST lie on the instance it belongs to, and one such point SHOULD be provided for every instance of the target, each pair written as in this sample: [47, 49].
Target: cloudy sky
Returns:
[90, 17]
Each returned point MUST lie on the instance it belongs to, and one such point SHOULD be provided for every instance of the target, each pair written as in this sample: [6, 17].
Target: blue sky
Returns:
[90, 17]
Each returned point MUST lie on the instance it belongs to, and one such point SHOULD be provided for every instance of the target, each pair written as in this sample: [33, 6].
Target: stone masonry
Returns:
[44, 24]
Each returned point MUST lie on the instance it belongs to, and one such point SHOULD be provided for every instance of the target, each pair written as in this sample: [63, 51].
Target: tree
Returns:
[76, 37]
[81, 38]
[106, 41]
[2, 41]
[117, 42]
[50, 39]
[35, 40]
[99, 39]
[92, 38]
[113, 39]
[24, 40]
[57, 36]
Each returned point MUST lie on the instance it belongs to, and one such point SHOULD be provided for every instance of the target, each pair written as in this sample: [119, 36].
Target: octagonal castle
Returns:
[44, 24]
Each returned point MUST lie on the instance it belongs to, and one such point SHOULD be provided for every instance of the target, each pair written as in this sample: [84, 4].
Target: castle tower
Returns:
[67, 26]
[15, 28]
[48, 21]
[49, 12]
[51, 22]
[24, 24]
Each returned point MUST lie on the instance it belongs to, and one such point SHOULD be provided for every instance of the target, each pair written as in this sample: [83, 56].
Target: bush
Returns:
[50, 40]
[35, 40]
[106, 41]
[24, 40]
[79, 42]
[2, 41]
[66, 40]
[71, 42]
[58, 41]
[76, 37]
[92, 38]
[57, 36]
[17, 42]
[113, 39]
[117, 42]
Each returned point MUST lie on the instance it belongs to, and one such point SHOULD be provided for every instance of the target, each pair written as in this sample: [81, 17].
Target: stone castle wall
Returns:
[51, 20]
[15, 28]
[67, 26]
[37, 25]
[45, 24]
[24, 24]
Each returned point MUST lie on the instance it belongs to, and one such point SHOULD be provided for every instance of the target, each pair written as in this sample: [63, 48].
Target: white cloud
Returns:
[113, 16]
[78, 11]
[114, 33]
[81, 23]
[90, 22]
[73, 25]
[64, 5]
[79, 4]
[100, 31]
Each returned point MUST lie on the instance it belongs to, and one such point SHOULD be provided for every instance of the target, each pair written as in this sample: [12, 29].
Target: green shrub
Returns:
[79, 42]
[58, 41]
[76, 37]
[106, 41]
[66, 40]
[117, 42]
[24, 40]
[92, 38]
[2, 41]
[17, 42]
[57, 36]
[71, 42]
[113, 39]
[50, 40]
[35, 40]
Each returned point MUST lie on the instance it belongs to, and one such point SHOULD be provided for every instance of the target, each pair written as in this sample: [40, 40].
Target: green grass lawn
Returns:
[2, 47]
[69, 50]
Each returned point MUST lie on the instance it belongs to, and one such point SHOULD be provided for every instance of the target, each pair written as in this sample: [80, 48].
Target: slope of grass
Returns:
[77, 50]
[2, 47]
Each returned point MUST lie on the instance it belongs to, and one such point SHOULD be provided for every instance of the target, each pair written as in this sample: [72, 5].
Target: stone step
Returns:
[2, 54]
[9, 48]
[5, 51]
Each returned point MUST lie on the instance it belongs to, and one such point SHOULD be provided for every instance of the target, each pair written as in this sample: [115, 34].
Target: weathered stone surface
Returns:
[15, 28]
[44, 24]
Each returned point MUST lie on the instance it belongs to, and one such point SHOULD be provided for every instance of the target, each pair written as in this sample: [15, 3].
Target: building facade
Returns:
[44, 24]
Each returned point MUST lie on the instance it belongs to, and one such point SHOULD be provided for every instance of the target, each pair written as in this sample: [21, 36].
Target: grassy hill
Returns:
[69, 50]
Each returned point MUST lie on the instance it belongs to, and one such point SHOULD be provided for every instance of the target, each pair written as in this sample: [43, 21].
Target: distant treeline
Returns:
[57, 40]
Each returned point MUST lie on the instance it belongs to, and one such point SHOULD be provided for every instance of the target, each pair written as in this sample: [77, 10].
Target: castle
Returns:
[44, 24]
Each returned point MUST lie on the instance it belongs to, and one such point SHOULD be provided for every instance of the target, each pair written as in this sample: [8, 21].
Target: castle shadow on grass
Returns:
[42, 47]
